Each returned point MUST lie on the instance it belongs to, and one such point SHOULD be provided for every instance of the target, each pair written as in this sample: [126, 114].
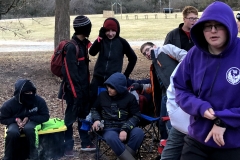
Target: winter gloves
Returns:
[102, 32]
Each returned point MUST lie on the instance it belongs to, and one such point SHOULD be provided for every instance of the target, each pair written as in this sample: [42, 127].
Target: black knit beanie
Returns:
[82, 25]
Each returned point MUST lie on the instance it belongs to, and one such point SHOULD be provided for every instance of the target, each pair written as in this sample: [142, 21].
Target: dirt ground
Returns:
[36, 66]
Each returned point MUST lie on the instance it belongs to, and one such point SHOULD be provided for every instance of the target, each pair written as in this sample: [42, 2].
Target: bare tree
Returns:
[62, 21]
[6, 6]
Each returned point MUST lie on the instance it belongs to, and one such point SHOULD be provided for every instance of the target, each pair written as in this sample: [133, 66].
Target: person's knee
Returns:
[110, 139]
[28, 130]
[138, 133]
[13, 134]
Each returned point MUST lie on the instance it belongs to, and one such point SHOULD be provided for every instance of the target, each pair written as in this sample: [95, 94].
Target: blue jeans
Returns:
[162, 125]
[174, 146]
[134, 139]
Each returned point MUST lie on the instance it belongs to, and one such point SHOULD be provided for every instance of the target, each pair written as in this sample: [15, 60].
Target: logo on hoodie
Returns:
[35, 109]
[233, 75]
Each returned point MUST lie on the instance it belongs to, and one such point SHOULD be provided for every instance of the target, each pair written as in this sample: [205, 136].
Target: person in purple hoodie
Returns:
[207, 87]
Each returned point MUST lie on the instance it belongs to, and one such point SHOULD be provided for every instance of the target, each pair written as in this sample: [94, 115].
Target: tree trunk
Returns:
[62, 21]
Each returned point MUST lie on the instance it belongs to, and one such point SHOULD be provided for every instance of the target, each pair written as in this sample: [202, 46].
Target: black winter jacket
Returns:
[179, 38]
[13, 108]
[121, 111]
[76, 71]
[111, 54]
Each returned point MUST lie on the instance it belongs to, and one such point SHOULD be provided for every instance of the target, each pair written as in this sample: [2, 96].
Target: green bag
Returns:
[52, 123]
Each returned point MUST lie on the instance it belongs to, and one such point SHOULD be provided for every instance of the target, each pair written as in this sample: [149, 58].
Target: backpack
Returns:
[58, 55]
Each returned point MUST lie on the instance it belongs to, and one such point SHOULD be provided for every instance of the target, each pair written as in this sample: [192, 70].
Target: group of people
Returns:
[193, 80]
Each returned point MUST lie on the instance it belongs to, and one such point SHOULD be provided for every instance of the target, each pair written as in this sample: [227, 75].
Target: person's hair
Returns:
[146, 44]
[189, 9]
[238, 16]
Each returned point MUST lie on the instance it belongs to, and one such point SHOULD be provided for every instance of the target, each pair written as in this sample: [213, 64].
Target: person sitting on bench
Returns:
[21, 114]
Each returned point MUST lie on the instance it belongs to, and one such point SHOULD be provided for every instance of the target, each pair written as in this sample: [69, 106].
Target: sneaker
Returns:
[91, 147]
[69, 153]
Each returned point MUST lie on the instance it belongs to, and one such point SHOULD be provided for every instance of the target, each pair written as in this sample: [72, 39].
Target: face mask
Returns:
[27, 100]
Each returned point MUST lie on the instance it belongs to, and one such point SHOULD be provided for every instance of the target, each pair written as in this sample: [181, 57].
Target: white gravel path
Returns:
[24, 46]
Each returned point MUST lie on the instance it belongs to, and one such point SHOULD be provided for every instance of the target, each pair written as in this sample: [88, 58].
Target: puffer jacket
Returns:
[120, 111]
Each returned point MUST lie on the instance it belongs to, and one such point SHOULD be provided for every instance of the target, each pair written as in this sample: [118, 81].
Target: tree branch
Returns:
[12, 5]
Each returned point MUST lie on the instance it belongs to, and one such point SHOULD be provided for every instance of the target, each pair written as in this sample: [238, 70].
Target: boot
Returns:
[126, 155]
[133, 153]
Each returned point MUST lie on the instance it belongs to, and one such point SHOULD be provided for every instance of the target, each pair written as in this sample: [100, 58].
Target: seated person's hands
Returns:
[123, 136]
[136, 86]
[25, 120]
[96, 126]
[19, 123]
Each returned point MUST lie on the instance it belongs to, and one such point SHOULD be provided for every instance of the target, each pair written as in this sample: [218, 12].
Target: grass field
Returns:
[42, 29]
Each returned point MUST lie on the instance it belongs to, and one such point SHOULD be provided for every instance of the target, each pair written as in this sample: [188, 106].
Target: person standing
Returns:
[181, 38]
[22, 113]
[207, 87]
[75, 84]
[111, 49]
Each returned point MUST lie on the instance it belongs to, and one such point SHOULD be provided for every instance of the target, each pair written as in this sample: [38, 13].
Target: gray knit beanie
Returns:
[82, 25]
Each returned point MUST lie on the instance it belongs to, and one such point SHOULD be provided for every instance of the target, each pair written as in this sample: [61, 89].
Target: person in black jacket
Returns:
[75, 84]
[180, 36]
[111, 48]
[22, 113]
[120, 111]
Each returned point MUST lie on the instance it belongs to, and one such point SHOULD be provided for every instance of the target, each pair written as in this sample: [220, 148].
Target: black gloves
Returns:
[136, 86]
[102, 32]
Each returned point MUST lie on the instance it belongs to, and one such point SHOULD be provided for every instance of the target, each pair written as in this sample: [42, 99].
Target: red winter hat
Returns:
[110, 24]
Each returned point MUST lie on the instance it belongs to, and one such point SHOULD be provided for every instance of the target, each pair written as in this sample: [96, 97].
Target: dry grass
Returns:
[36, 66]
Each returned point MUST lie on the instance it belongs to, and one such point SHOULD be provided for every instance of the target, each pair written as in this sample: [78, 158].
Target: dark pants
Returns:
[134, 139]
[95, 83]
[194, 150]
[12, 140]
[174, 146]
[164, 125]
[70, 117]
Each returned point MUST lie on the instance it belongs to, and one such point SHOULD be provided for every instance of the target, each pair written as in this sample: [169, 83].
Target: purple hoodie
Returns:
[206, 81]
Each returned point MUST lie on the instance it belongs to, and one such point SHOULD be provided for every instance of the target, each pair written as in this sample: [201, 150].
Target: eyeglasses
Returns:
[217, 27]
[192, 18]
[146, 50]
